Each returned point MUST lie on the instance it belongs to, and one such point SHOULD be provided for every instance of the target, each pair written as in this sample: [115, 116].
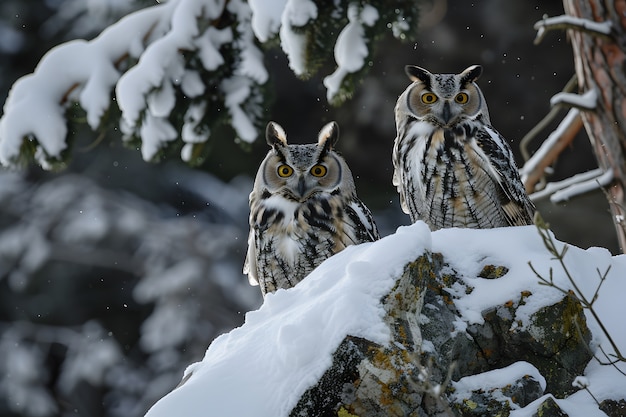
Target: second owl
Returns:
[451, 167]
[303, 209]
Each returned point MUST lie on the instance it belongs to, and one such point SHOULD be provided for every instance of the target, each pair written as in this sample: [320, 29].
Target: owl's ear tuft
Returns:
[275, 134]
[471, 74]
[328, 136]
[418, 74]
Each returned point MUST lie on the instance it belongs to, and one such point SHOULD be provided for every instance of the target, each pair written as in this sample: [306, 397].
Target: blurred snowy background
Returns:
[115, 273]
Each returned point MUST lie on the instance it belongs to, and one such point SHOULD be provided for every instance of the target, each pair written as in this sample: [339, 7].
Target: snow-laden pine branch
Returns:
[168, 75]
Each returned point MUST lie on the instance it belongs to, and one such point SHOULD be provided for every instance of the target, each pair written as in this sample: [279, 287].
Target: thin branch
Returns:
[548, 118]
[618, 219]
[612, 362]
[66, 96]
[563, 22]
[553, 187]
[93, 144]
[602, 279]
[534, 169]
[549, 243]
[583, 187]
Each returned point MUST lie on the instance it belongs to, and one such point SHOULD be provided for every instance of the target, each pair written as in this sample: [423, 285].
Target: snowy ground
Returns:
[263, 367]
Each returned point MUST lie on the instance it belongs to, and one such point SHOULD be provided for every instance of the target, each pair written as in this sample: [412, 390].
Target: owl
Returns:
[303, 209]
[451, 167]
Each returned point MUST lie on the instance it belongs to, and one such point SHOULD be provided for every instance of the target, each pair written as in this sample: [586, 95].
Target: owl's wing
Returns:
[517, 207]
[397, 179]
[364, 225]
[249, 266]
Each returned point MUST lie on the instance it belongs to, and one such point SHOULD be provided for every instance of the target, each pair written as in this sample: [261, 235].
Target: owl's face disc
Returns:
[443, 101]
[299, 172]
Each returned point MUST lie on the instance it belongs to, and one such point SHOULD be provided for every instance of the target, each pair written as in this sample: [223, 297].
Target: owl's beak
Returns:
[301, 186]
[446, 114]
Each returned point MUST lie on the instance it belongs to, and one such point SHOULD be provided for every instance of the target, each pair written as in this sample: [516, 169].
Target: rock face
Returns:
[367, 379]
[440, 365]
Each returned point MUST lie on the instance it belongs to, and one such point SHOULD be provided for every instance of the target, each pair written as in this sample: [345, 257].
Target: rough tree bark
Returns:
[601, 66]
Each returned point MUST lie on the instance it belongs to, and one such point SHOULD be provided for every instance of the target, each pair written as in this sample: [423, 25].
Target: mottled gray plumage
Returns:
[451, 167]
[303, 209]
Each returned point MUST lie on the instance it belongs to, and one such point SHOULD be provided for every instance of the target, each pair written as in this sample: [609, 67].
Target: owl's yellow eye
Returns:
[461, 98]
[428, 98]
[319, 171]
[285, 171]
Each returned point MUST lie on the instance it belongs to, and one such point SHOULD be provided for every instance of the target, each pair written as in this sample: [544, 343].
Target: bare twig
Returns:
[93, 144]
[619, 220]
[602, 279]
[587, 304]
[68, 93]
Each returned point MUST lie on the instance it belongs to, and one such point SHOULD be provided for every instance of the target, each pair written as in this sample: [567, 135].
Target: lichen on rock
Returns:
[368, 379]
[432, 342]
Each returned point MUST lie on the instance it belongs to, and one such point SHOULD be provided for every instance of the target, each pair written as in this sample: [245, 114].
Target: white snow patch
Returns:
[468, 251]
[237, 90]
[162, 100]
[580, 382]
[192, 84]
[155, 132]
[266, 17]
[351, 47]
[296, 13]
[251, 65]
[208, 45]
[191, 131]
[498, 378]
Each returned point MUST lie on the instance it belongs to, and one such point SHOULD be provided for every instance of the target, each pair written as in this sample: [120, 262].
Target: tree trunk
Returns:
[601, 66]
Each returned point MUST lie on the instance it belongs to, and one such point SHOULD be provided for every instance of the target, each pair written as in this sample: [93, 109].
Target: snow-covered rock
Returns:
[421, 323]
